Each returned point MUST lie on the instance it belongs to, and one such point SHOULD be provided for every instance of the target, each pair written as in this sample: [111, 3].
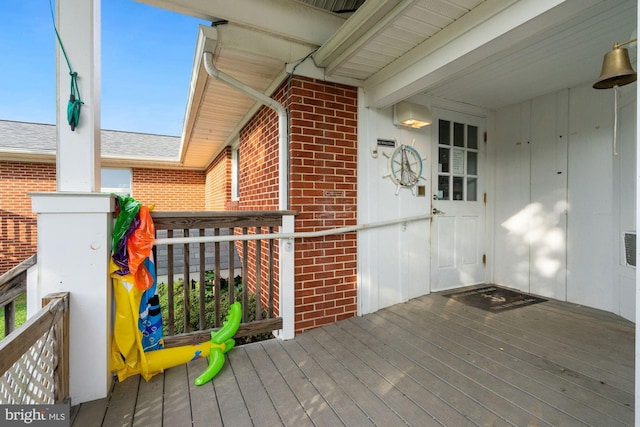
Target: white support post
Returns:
[287, 279]
[78, 151]
[74, 236]
[75, 223]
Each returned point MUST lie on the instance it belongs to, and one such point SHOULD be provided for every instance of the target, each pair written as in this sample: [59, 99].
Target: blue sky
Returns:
[147, 54]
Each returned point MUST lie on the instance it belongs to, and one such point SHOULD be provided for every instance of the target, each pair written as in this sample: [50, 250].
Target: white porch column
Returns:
[74, 236]
[78, 152]
[74, 223]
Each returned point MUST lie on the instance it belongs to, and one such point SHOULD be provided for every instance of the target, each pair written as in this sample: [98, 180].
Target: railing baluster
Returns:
[258, 275]
[271, 274]
[13, 284]
[9, 317]
[218, 292]
[245, 276]
[170, 299]
[186, 285]
[232, 278]
[203, 284]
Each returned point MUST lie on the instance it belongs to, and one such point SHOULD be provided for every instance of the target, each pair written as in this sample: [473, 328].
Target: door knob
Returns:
[437, 211]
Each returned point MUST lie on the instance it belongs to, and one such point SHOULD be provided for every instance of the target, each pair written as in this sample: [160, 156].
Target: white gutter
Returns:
[283, 134]
[299, 235]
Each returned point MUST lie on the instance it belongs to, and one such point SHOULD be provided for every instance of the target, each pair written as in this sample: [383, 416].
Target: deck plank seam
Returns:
[511, 376]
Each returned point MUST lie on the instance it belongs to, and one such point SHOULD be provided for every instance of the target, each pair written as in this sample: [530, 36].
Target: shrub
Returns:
[194, 296]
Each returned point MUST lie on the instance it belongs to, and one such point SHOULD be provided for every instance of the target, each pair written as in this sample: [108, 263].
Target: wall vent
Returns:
[630, 248]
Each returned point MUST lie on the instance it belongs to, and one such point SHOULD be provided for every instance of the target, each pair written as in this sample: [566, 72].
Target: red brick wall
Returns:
[323, 153]
[324, 192]
[217, 190]
[259, 162]
[169, 190]
[17, 222]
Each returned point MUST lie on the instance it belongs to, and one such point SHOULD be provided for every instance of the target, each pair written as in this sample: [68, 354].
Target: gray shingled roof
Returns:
[41, 138]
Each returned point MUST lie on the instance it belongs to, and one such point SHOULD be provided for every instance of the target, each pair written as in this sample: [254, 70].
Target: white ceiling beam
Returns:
[368, 20]
[288, 19]
[488, 29]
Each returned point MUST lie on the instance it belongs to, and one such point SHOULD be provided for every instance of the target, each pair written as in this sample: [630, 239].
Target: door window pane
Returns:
[457, 161]
[458, 134]
[444, 133]
[443, 159]
[472, 189]
[472, 163]
[458, 190]
[443, 187]
[472, 137]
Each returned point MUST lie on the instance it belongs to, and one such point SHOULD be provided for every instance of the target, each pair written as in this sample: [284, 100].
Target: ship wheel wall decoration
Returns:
[405, 167]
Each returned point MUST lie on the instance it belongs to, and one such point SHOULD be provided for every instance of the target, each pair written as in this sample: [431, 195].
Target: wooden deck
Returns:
[431, 361]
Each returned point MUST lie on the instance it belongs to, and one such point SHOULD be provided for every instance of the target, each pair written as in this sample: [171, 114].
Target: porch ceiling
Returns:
[490, 53]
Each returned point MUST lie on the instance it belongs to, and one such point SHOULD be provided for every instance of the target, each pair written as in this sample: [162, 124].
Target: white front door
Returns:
[457, 202]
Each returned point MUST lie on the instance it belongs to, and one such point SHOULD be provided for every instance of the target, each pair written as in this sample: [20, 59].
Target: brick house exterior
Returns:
[27, 165]
[168, 190]
[17, 222]
[322, 179]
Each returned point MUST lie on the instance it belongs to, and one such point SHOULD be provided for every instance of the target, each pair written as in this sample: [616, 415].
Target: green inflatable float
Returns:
[221, 342]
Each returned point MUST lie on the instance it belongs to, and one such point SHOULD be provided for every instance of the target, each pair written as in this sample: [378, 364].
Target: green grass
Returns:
[20, 314]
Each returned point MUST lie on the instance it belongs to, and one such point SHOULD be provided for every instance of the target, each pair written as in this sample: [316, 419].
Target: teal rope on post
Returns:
[75, 101]
[73, 107]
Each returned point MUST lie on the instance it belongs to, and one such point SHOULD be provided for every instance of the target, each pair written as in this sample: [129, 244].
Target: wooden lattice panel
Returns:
[31, 379]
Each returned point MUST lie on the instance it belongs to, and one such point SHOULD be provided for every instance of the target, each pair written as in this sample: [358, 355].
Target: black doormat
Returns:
[494, 298]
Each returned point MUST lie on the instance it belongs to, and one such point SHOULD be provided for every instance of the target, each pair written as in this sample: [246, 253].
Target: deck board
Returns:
[176, 410]
[543, 399]
[231, 403]
[148, 409]
[256, 397]
[283, 398]
[436, 395]
[122, 403]
[542, 370]
[568, 352]
[332, 393]
[430, 361]
[356, 388]
[318, 409]
[203, 398]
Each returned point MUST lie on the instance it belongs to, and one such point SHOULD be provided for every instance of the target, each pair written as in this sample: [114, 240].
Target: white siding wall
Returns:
[393, 262]
[563, 200]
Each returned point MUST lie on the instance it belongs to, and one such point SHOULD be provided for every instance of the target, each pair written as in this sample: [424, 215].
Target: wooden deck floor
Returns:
[431, 361]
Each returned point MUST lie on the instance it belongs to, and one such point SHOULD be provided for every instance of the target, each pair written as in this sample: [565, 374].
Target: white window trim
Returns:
[235, 171]
[118, 190]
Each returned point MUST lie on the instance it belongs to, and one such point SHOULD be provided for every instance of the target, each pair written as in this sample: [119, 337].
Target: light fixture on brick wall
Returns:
[411, 115]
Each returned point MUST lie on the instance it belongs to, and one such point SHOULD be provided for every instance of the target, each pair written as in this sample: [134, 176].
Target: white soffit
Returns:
[504, 52]
[565, 56]
[487, 53]
[216, 111]
[381, 32]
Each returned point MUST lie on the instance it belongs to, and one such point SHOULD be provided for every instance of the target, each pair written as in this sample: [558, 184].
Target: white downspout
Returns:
[286, 261]
[283, 134]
